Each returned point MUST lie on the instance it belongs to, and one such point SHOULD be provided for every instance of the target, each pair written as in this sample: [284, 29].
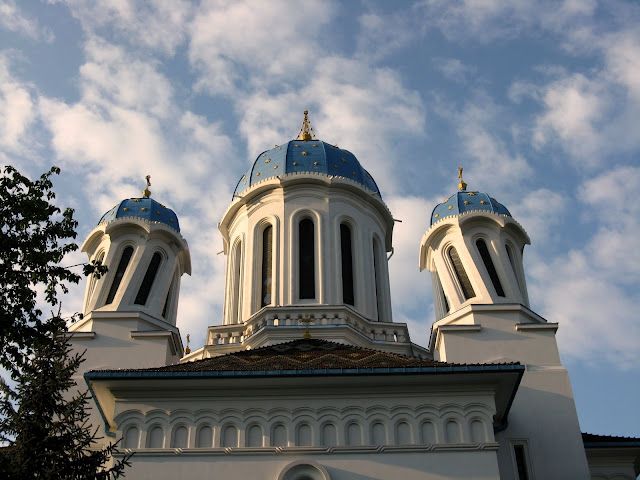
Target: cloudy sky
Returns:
[539, 100]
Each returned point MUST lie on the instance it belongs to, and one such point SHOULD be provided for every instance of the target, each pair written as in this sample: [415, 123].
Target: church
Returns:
[308, 377]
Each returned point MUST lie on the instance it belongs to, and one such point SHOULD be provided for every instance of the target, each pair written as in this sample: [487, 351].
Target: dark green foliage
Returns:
[45, 426]
[34, 237]
[44, 431]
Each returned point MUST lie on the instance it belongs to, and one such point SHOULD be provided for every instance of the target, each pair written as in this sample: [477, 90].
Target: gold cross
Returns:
[306, 319]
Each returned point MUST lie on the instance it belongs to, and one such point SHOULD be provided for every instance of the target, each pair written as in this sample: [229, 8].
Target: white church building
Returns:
[308, 377]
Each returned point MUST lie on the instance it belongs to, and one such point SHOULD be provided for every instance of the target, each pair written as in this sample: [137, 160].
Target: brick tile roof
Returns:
[592, 439]
[303, 354]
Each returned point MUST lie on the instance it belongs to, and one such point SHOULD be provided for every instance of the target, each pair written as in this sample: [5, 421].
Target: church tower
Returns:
[129, 314]
[474, 250]
[306, 238]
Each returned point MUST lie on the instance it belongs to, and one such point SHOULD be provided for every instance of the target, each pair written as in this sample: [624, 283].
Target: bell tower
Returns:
[473, 250]
[133, 307]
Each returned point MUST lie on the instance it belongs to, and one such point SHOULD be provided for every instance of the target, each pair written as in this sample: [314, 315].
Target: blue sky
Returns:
[539, 101]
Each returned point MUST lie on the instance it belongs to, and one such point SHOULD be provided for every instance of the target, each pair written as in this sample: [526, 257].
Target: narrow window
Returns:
[307, 259]
[267, 269]
[488, 264]
[329, 435]
[131, 438]
[230, 436]
[147, 281]
[521, 462]
[122, 268]
[236, 266]
[461, 274]
[347, 265]
[377, 278]
[167, 301]
[254, 436]
[513, 266]
[93, 281]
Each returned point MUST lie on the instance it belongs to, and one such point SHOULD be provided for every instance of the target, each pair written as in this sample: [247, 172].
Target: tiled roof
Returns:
[304, 354]
[594, 440]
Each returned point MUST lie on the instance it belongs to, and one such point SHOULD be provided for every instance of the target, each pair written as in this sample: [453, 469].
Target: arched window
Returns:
[354, 434]
[347, 264]
[155, 438]
[377, 279]
[149, 277]
[488, 264]
[279, 436]
[131, 437]
[120, 271]
[428, 432]
[267, 266]
[306, 259]
[180, 437]
[452, 430]
[303, 435]
[204, 439]
[236, 273]
[403, 433]
[230, 436]
[329, 435]
[254, 436]
[378, 434]
[461, 274]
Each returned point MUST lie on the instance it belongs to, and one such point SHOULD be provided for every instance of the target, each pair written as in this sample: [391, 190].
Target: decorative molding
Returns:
[427, 448]
[524, 327]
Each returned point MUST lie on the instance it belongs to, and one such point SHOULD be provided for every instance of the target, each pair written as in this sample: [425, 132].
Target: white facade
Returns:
[387, 417]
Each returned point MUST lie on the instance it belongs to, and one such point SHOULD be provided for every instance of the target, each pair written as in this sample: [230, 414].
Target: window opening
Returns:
[267, 265]
[235, 279]
[521, 462]
[122, 268]
[93, 281]
[377, 278]
[348, 296]
[149, 278]
[461, 274]
[307, 259]
[488, 264]
[513, 265]
[168, 299]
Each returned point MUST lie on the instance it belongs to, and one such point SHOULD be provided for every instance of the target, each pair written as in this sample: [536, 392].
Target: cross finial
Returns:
[461, 184]
[146, 193]
[306, 131]
[306, 319]
[187, 350]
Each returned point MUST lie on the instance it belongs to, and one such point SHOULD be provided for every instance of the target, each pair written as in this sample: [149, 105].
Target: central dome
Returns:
[303, 155]
[306, 156]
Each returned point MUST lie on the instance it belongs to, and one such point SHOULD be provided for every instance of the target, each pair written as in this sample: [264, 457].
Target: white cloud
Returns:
[240, 45]
[155, 26]
[575, 107]
[14, 20]
[453, 69]
[353, 105]
[16, 108]
[383, 34]
[491, 164]
[112, 75]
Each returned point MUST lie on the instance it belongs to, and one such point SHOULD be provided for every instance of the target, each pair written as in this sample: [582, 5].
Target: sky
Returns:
[538, 100]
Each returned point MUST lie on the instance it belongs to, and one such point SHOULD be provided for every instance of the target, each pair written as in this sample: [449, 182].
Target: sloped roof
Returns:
[303, 354]
[594, 441]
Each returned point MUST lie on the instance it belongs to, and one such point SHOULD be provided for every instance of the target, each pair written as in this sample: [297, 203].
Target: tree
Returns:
[51, 437]
[43, 418]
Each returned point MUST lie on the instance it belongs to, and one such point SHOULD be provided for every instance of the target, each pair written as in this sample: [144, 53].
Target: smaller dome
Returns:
[145, 208]
[463, 201]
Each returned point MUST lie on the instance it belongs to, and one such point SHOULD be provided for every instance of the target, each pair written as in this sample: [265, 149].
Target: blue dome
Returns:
[464, 201]
[303, 156]
[145, 208]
